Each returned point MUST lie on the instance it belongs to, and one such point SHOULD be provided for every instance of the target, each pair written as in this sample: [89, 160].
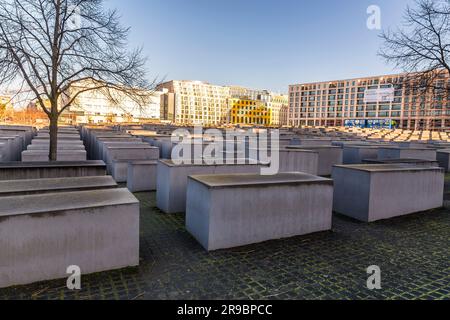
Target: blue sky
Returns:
[259, 43]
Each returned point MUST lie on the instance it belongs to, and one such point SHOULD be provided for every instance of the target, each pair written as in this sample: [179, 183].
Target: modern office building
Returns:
[97, 106]
[200, 103]
[372, 101]
[194, 103]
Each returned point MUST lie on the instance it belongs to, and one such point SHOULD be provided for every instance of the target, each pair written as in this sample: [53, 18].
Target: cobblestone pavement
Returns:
[413, 253]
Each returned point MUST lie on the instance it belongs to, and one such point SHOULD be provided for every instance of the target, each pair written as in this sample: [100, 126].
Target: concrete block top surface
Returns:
[249, 180]
[14, 186]
[132, 146]
[282, 149]
[405, 148]
[393, 161]
[143, 162]
[371, 146]
[313, 147]
[50, 164]
[170, 163]
[386, 167]
[57, 202]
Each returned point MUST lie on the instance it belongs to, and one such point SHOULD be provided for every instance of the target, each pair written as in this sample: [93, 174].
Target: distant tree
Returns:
[51, 45]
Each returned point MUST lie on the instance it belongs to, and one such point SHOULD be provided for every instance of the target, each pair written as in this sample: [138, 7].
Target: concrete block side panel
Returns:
[327, 159]
[119, 171]
[41, 247]
[400, 193]
[388, 154]
[351, 193]
[307, 162]
[162, 187]
[141, 177]
[198, 206]
[418, 154]
[444, 160]
[367, 154]
[350, 155]
[44, 173]
[266, 213]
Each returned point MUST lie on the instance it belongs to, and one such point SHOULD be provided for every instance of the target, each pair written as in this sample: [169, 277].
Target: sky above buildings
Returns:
[265, 44]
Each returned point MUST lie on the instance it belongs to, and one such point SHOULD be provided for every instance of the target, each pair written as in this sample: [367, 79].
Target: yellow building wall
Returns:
[249, 112]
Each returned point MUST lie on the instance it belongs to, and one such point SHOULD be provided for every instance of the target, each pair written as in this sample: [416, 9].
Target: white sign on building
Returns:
[379, 95]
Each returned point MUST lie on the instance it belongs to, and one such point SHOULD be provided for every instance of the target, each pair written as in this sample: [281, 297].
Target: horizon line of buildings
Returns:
[380, 101]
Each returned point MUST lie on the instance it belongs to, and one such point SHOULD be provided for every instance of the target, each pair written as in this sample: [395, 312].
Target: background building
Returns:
[273, 104]
[200, 103]
[393, 99]
[96, 106]
[194, 103]
[249, 112]
[279, 105]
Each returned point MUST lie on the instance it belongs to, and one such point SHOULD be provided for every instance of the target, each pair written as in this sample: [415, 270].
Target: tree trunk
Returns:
[53, 150]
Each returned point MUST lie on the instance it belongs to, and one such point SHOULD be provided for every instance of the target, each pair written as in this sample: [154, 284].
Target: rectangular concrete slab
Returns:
[62, 155]
[403, 153]
[376, 192]
[171, 180]
[42, 235]
[329, 156]
[42, 170]
[226, 211]
[53, 185]
[142, 176]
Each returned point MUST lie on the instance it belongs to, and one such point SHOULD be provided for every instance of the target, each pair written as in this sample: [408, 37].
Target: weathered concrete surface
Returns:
[328, 157]
[102, 144]
[407, 162]
[375, 192]
[142, 176]
[355, 154]
[226, 211]
[443, 157]
[62, 147]
[53, 185]
[404, 153]
[290, 160]
[62, 155]
[171, 181]
[60, 142]
[42, 235]
[311, 142]
[42, 170]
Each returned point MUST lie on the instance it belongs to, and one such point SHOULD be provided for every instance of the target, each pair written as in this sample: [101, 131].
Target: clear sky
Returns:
[266, 44]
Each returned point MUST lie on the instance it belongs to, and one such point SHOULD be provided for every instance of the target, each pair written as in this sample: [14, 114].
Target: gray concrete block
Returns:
[375, 192]
[53, 185]
[404, 153]
[42, 235]
[62, 155]
[226, 211]
[443, 157]
[171, 181]
[329, 156]
[141, 176]
[43, 170]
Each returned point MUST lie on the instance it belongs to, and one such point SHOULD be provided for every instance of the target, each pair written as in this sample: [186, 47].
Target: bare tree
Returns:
[421, 48]
[52, 45]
